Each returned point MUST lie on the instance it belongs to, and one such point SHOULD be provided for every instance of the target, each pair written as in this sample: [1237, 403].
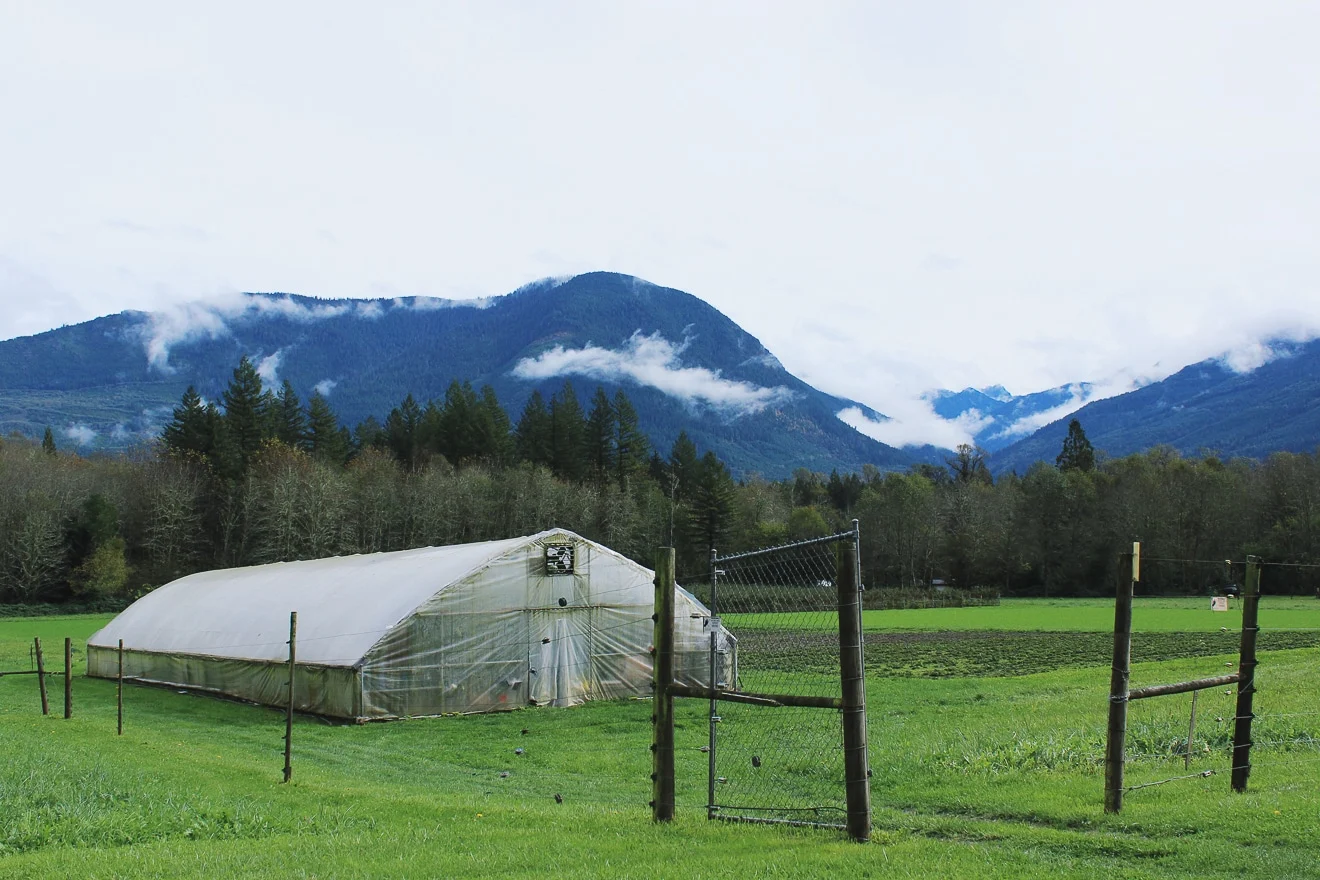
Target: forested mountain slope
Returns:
[113, 381]
[1204, 408]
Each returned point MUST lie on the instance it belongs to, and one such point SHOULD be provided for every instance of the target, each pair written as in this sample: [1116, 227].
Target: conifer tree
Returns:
[193, 427]
[290, 424]
[567, 432]
[683, 466]
[324, 438]
[402, 433]
[631, 449]
[710, 505]
[492, 426]
[600, 438]
[48, 441]
[1077, 453]
[246, 420]
[532, 436]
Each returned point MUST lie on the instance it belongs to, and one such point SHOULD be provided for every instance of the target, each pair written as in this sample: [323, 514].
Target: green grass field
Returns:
[988, 769]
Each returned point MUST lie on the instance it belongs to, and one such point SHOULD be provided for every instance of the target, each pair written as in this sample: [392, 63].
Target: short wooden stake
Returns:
[1119, 678]
[68, 678]
[1191, 732]
[1246, 689]
[119, 690]
[662, 704]
[288, 717]
[857, 783]
[41, 679]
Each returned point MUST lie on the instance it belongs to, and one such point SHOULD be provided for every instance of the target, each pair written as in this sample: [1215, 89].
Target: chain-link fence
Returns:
[776, 612]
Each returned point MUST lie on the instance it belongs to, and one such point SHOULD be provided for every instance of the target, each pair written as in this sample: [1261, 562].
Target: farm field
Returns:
[984, 765]
[1082, 615]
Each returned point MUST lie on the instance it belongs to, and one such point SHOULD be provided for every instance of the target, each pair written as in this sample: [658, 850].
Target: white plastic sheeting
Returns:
[465, 628]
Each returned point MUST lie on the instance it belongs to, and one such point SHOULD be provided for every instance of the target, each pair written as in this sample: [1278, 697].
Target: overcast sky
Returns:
[892, 196]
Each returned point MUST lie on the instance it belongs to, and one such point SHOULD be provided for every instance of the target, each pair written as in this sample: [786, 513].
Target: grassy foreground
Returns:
[973, 777]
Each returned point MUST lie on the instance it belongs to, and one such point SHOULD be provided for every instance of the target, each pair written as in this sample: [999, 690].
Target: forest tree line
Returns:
[262, 477]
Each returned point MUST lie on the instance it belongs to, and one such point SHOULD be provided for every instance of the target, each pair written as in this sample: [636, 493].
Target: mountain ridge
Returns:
[685, 365]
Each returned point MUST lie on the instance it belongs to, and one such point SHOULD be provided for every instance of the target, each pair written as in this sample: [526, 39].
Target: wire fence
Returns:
[1195, 732]
[778, 611]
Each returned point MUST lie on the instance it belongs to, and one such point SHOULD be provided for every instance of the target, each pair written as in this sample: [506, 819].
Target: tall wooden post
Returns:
[119, 691]
[1119, 679]
[288, 715]
[68, 678]
[1246, 689]
[662, 746]
[857, 783]
[41, 678]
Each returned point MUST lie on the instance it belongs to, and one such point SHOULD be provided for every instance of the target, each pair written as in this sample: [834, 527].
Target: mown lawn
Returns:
[978, 775]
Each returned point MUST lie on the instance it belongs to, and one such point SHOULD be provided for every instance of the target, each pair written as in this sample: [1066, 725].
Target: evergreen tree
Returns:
[246, 420]
[844, 492]
[48, 441]
[402, 433]
[711, 506]
[460, 439]
[532, 438]
[631, 449]
[600, 438]
[324, 438]
[290, 425]
[1077, 453]
[492, 429]
[683, 466]
[567, 434]
[193, 427]
[369, 435]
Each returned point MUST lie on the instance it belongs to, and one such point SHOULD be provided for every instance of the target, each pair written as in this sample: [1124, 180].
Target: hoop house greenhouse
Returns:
[549, 619]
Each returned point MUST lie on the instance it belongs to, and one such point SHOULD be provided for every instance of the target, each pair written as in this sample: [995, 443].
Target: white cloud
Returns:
[654, 361]
[1255, 354]
[912, 422]
[80, 434]
[371, 310]
[210, 319]
[268, 368]
[324, 387]
[435, 303]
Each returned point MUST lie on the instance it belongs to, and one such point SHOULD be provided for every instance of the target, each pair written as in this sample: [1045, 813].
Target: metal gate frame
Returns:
[851, 702]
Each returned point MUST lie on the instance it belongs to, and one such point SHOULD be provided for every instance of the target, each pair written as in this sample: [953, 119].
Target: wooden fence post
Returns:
[41, 678]
[1246, 689]
[68, 678]
[288, 716]
[662, 746]
[857, 784]
[119, 691]
[1119, 679]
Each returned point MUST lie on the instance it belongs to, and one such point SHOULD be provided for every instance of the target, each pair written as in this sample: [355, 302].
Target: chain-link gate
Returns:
[784, 648]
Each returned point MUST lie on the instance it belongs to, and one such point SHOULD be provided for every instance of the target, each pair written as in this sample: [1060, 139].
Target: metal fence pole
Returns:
[1118, 681]
[662, 719]
[853, 674]
[714, 684]
[119, 691]
[68, 678]
[1246, 689]
[288, 716]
